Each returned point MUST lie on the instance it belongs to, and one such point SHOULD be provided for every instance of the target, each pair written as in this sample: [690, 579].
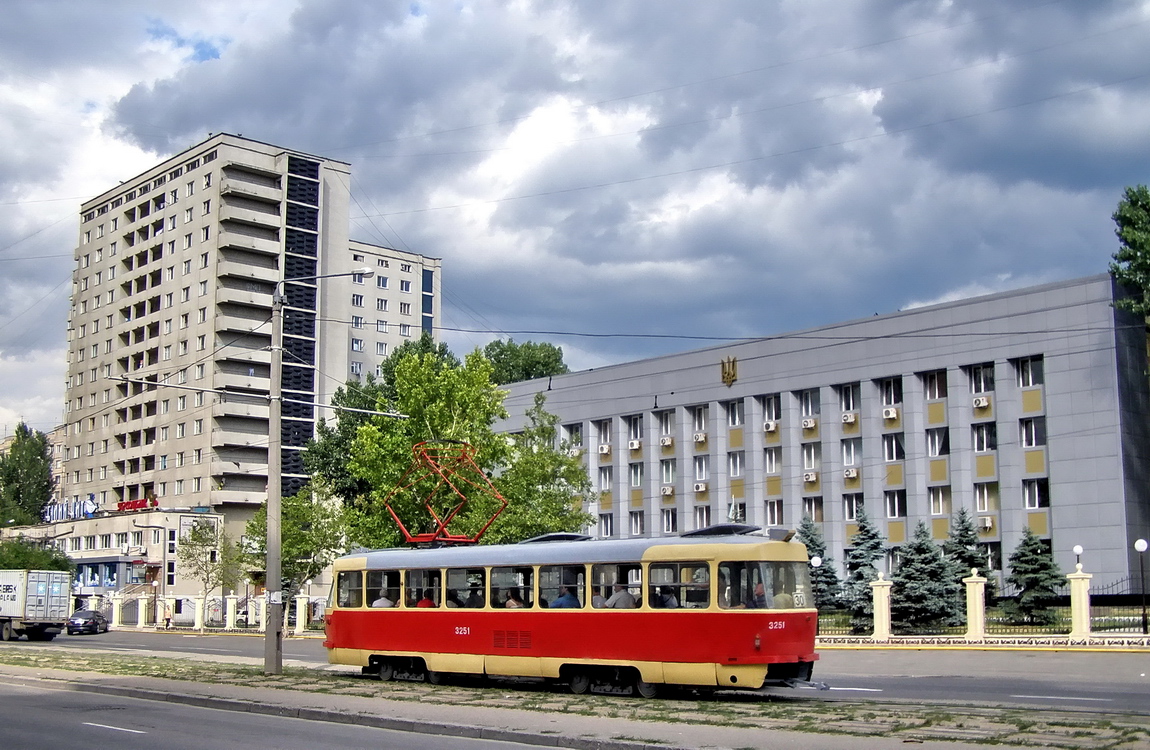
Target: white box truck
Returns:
[34, 603]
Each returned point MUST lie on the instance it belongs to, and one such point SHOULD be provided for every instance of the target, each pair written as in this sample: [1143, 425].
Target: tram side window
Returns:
[349, 588]
[680, 584]
[423, 588]
[764, 585]
[562, 586]
[383, 588]
[466, 587]
[513, 588]
[616, 586]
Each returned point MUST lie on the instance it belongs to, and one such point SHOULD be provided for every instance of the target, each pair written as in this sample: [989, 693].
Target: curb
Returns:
[368, 720]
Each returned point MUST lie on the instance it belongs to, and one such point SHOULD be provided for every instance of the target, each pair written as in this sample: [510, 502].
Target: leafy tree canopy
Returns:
[513, 362]
[326, 456]
[29, 554]
[924, 593]
[25, 477]
[441, 358]
[1131, 266]
[1036, 578]
[209, 556]
[824, 579]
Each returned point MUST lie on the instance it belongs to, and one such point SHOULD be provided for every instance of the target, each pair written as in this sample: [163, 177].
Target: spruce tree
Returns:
[868, 547]
[1036, 580]
[962, 551]
[924, 594]
[825, 583]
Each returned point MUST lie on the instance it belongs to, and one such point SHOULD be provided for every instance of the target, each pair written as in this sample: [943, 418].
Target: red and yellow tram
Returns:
[722, 607]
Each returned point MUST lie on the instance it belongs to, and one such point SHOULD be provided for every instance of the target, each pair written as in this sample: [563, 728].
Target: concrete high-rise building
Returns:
[170, 330]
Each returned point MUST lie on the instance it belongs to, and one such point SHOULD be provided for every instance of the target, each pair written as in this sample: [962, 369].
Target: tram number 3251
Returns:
[464, 630]
[776, 624]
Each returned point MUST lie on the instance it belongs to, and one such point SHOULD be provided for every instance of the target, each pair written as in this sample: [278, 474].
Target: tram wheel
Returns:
[580, 683]
[434, 678]
[386, 671]
[646, 689]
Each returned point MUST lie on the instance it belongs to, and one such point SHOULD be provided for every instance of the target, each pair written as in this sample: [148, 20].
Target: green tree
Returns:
[1036, 580]
[25, 477]
[1131, 266]
[962, 550]
[21, 553]
[441, 356]
[867, 548]
[513, 362]
[313, 532]
[545, 486]
[442, 403]
[924, 593]
[326, 455]
[209, 556]
[824, 578]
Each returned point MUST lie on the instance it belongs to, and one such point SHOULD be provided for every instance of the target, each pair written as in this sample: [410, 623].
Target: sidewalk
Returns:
[506, 724]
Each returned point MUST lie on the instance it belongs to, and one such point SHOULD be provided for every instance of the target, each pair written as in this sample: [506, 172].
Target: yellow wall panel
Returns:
[1036, 461]
[1039, 523]
[1032, 401]
[938, 470]
[940, 528]
[894, 474]
[853, 483]
[772, 438]
[851, 530]
[896, 532]
[936, 412]
[735, 437]
[985, 466]
[637, 498]
[852, 428]
[738, 488]
[606, 502]
[774, 485]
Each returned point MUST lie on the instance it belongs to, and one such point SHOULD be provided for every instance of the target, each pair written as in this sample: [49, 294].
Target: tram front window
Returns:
[349, 588]
[764, 585]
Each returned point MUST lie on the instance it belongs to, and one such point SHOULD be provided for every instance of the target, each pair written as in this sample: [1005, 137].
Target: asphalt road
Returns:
[38, 718]
[1095, 681]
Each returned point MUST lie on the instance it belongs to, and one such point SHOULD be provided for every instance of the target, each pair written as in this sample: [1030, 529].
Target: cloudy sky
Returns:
[675, 171]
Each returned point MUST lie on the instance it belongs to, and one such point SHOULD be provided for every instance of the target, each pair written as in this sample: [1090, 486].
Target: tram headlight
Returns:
[758, 641]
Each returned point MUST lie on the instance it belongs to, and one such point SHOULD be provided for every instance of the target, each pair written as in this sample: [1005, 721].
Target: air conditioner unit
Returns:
[700, 486]
[808, 424]
[986, 522]
[850, 473]
[700, 437]
[604, 449]
[849, 418]
[981, 402]
[666, 491]
[810, 476]
[666, 440]
[634, 444]
[575, 452]
[770, 425]
[890, 412]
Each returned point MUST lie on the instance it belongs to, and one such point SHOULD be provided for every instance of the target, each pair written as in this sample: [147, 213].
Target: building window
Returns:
[985, 495]
[198, 427]
[982, 378]
[809, 402]
[1032, 432]
[667, 470]
[938, 442]
[891, 389]
[381, 305]
[381, 349]
[1036, 493]
[404, 329]
[405, 308]
[357, 300]
[603, 432]
[405, 287]
[702, 516]
[775, 513]
[734, 413]
[772, 460]
[606, 525]
[636, 472]
[852, 505]
[813, 508]
[666, 422]
[702, 468]
[605, 478]
[357, 368]
[895, 503]
[634, 427]
[892, 447]
[357, 278]
[735, 461]
[357, 321]
[812, 456]
[699, 418]
[381, 282]
[381, 326]
[772, 407]
[939, 500]
[984, 437]
[670, 521]
[357, 345]
[636, 518]
[1030, 372]
[573, 433]
[852, 451]
[848, 396]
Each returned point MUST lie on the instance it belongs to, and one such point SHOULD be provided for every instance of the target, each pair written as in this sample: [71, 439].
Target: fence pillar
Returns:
[262, 599]
[1079, 602]
[301, 603]
[143, 606]
[198, 607]
[975, 606]
[232, 604]
[881, 592]
[117, 609]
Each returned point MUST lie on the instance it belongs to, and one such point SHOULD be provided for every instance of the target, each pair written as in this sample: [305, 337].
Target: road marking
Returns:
[1062, 698]
[118, 729]
[860, 690]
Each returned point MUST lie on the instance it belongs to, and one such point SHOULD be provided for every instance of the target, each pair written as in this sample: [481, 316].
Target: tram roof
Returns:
[555, 553]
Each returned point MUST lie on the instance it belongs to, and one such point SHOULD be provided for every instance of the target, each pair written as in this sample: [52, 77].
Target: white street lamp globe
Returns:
[1078, 549]
[816, 561]
[1140, 545]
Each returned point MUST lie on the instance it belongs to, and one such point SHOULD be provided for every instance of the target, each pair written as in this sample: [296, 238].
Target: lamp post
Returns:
[273, 632]
[156, 602]
[1140, 548]
[1077, 554]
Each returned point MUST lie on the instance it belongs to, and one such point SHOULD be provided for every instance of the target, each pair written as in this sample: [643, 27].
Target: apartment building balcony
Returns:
[231, 322]
[247, 271]
[239, 437]
[251, 190]
[237, 497]
[242, 241]
[238, 381]
[224, 466]
[250, 216]
[235, 409]
[243, 297]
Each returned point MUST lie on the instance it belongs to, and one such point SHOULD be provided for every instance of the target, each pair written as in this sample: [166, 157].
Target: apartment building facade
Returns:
[1027, 408]
[170, 330]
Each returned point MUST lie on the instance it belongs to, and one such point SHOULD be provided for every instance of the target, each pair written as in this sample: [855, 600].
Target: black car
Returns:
[87, 621]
